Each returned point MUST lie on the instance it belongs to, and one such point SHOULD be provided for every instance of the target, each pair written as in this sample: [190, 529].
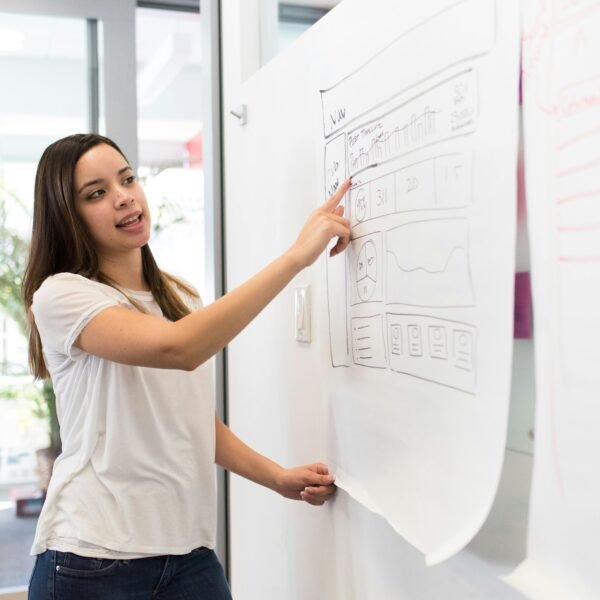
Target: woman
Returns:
[131, 507]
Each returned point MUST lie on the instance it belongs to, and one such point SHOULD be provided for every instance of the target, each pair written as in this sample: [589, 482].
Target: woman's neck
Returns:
[126, 271]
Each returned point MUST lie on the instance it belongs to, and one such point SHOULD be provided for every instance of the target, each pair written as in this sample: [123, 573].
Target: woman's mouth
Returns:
[130, 222]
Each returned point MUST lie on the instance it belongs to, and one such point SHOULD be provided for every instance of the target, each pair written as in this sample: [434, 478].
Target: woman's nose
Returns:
[123, 198]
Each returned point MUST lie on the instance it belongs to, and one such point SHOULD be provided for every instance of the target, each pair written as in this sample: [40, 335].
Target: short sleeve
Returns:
[63, 305]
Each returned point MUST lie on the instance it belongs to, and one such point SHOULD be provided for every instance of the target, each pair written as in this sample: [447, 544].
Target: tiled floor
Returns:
[16, 535]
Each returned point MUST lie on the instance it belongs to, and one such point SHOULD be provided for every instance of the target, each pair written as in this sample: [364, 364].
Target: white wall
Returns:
[284, 549]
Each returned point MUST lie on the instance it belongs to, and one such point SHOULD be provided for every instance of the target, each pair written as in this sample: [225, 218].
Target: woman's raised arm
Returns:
[134, 338]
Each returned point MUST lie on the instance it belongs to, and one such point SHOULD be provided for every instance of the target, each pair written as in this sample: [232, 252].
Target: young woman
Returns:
[130, 510]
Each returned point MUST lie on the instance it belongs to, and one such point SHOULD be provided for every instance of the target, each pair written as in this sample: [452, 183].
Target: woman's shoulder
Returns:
[67, 278]
[69, 284]
[70, 281]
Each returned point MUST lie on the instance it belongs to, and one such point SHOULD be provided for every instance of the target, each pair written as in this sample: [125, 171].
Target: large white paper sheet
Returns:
[421, 110]
[561, 84]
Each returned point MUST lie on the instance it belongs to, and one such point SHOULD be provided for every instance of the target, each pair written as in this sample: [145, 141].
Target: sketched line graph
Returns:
[428, 264]
[431, 271]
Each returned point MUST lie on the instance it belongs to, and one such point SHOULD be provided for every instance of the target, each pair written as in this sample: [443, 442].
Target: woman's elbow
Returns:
[180, 353]
[183, 359]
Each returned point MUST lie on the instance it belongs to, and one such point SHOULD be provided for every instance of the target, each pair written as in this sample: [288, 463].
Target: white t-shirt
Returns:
[136, 475]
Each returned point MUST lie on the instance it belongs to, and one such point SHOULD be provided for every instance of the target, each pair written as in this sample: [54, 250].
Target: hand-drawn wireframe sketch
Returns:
[408, 153]
[436, 350]
[428, 264]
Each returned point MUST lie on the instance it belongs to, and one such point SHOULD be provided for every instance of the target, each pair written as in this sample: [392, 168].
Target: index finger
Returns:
[330, 204]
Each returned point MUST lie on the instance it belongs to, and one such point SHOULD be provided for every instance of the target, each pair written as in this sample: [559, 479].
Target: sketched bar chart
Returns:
[446, 110]
[427, 264]
[433, 349]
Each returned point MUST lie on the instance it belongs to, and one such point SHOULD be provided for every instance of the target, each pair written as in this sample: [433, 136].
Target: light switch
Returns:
[303, 314]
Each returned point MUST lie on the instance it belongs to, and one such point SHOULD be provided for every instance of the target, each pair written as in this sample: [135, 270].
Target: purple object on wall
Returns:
[523, 307]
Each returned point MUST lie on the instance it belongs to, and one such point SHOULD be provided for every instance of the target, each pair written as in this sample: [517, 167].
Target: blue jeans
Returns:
[67, 576]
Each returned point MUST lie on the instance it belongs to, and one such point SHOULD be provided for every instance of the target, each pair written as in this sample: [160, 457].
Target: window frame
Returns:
[118, 37]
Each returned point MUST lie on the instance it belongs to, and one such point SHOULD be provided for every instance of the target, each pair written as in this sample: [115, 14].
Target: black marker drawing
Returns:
[366, 271]
[437, 350]
[335, 164]
[364, 256]
[368, 345]
[441, 182]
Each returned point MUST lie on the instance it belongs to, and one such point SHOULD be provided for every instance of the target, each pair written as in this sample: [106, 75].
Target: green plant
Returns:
[13, 257]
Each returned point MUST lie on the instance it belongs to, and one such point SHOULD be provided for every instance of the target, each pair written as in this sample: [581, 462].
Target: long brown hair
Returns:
[60, 242]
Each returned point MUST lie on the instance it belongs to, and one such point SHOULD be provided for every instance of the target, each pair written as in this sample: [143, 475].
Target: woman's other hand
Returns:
[311, 483]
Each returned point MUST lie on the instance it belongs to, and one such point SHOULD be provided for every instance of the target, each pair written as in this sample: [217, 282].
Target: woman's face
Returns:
[110, 201]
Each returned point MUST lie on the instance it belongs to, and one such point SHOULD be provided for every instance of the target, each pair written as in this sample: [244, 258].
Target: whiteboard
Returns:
[561, 101]
[415, 420]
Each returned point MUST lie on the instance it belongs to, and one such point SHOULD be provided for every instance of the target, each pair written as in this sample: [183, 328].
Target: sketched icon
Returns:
[361, 205]
[366, 270]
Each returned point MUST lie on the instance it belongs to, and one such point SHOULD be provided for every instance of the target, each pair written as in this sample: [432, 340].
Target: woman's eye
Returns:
[95, 194]
[130, 179]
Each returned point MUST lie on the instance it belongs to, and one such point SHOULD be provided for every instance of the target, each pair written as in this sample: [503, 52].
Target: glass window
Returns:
[296, 18]
[169, 84]
[289, 32]
[43, 65]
